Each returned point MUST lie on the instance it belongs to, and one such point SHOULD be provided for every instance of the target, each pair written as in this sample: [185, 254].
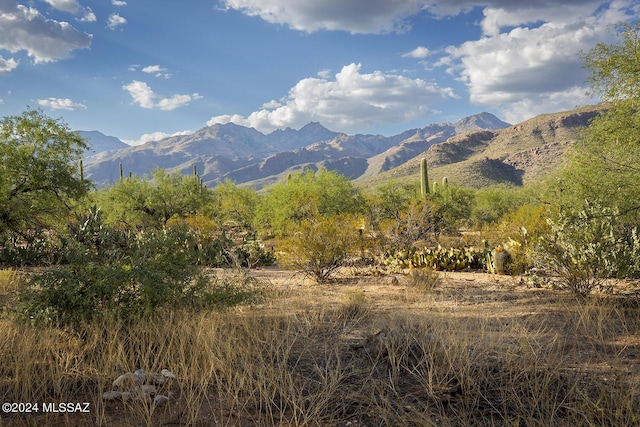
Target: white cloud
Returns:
[351, 102]
[155, 136]
[118, 3]
[145, 97]
[115, 21]
[383, 16]
[7, 65]
[61, 104]
[420, 52]
[527, 71]
[157, 71]
[73, 7]
[45, 40]
[355, 16]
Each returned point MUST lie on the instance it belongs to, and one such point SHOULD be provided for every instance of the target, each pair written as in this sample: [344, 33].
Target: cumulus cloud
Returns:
[73, 7]
[355, 16]
[383, 16]
[526, 71]
[145, 97]
[61, 104]
[24, 28]
[7, 65]
[351, 102]
[118, 3]
[115, 21]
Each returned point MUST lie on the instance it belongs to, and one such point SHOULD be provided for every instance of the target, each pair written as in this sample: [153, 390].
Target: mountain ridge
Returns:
[247, 156]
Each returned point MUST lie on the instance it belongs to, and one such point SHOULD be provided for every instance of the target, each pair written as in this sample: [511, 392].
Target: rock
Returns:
[126, 381]
[140, 375]
[168, 374]
[160, 400]
[165, 374]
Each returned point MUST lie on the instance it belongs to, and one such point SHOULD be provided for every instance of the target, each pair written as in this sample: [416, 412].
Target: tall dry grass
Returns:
[332, 365]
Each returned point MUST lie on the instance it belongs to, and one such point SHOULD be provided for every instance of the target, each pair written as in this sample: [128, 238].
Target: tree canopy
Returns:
[605, 165]
[39, 173]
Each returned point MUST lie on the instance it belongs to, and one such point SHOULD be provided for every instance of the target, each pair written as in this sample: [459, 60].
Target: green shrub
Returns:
[318, 248]
[129, 279]
[586, 247]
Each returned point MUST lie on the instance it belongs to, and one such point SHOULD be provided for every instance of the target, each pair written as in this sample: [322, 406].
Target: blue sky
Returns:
[140, 70]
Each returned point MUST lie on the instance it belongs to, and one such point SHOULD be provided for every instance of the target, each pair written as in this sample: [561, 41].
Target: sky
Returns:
[142, 70]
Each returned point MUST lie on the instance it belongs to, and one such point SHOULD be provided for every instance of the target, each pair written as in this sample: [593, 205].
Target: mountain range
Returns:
[475, 151]
[246, 156]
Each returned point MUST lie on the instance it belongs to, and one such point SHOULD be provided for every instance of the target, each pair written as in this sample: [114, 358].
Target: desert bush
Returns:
[214, 247]
[306, 195]
[107, 276]
[518, 232]
[319, 247]
[586, 247]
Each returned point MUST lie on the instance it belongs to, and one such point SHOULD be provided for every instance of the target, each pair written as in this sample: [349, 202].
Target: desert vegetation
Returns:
[159, 301]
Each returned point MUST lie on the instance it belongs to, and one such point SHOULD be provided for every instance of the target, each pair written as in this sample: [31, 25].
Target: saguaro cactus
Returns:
[424, 177]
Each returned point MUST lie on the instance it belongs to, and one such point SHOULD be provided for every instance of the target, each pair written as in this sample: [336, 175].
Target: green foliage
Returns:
[38, 174]
[587, 246]
[519, 232]
[604, 164]
[437, 259]
[139, 202]
[491, 203]
[305, 196]
[113, 273]
[234, 207]
[214, 247]
[318, 247]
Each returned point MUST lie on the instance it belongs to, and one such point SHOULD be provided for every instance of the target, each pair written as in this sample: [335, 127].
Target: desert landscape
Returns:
[368, 349]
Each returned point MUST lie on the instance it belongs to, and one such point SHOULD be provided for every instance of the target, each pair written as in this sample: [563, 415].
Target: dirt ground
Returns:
[475, 295]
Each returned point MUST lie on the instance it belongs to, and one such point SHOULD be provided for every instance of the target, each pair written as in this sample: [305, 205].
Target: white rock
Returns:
[125, 381]
[168, 374]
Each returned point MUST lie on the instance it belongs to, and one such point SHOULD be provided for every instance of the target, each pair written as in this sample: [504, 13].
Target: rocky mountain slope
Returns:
[99, 142]
[515, 155]
[247, 156]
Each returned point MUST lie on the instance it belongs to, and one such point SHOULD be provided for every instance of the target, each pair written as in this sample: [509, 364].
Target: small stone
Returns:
[168, 374]
[140, 375]
[127, 380]
[111, 395]
[160, 400]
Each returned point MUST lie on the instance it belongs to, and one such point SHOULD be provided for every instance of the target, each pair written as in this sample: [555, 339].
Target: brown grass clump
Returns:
[474, 350]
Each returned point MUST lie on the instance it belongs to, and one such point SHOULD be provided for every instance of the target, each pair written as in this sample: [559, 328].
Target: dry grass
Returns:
[366, 351]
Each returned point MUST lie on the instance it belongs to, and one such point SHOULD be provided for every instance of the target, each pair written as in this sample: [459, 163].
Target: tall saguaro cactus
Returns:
[424, 178]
